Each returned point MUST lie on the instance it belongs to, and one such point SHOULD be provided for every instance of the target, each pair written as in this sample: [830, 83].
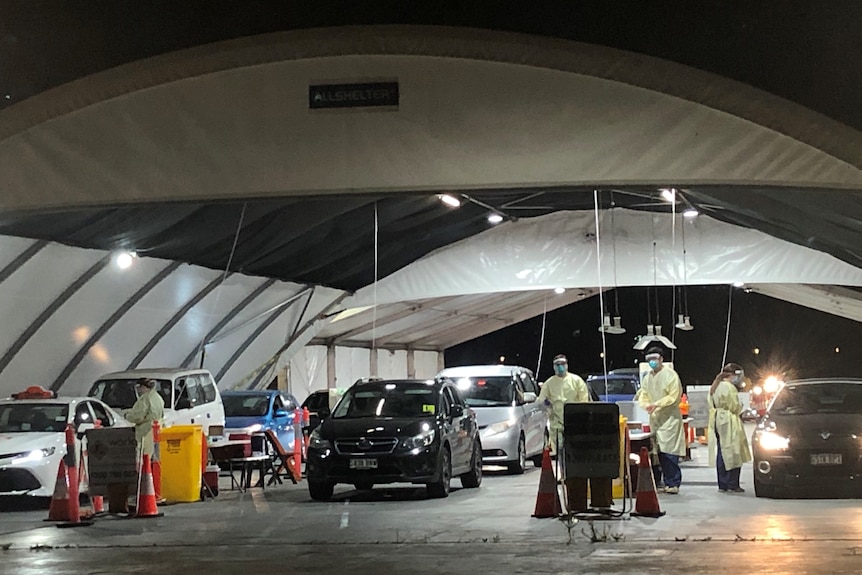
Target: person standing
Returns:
[148, 408]
[728, 445]
[558, 390]
[660, 395]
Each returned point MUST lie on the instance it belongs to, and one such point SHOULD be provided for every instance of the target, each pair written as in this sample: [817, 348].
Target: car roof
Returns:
[820, 380]
[595, 376]
[254, 392]
[481, 370]
[154, 372]
[396, 382]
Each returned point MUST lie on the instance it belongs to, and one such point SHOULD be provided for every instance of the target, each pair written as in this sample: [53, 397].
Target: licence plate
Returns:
[825, 459]
[363, 464]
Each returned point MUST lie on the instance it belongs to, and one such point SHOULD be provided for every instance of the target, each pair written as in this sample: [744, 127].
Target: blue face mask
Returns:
[560, 369]
[653, 363]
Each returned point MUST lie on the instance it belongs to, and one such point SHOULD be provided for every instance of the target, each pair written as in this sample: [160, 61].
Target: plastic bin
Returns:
[181, 449]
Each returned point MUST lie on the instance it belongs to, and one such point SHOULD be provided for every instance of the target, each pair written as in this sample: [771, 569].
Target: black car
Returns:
[391, 431]
[810, 440]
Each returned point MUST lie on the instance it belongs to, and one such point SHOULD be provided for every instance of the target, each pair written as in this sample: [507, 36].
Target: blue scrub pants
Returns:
[668, 468]
[727, 478]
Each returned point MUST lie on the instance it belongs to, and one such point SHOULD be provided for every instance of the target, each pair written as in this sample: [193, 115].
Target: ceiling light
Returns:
[559, 290]
[690, 213]
[669, 194]
[450, 201]
[738, 284]
[684, 323]
[495, 218]
[124, 259]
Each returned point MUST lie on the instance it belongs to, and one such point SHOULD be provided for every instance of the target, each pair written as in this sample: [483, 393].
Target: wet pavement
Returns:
[398, 530]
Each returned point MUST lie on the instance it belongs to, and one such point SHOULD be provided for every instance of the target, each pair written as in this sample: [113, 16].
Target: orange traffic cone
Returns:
[146, 502]
[59, 509]
[646, 503]
[548, 499]
[86, 508]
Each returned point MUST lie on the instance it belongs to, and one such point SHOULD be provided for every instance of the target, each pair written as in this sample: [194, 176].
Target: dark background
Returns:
[794, 341]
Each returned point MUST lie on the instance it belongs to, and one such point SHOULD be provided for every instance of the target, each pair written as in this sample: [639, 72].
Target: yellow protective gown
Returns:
[148, 408]
[724, 410]
[663, 389]
[559, 391]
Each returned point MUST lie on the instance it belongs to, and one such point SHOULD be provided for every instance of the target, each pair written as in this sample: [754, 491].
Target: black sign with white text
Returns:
[363, 95]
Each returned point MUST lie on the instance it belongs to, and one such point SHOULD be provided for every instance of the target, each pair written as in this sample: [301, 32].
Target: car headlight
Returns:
[501, 426]
[424, 439]
[34, 455]
[317, 442]
[771, 441]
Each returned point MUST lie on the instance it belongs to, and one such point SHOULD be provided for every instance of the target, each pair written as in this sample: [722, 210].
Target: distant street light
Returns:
[837, 349]
[502, 358]
[756, 351]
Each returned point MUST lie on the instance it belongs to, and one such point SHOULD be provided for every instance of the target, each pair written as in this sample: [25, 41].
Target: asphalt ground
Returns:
[490, 529]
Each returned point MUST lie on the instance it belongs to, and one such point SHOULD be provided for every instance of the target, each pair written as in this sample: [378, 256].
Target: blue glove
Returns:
[547, 403]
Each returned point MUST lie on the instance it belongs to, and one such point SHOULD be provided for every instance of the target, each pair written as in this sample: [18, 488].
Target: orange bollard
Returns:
[157, 461]
[72, 474]
[297, 441]
[306, 421]
[547, 499]
[59, 509]
[146, 502]
[646, 502]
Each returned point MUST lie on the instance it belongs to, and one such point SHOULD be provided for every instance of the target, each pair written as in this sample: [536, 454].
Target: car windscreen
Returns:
[616, 386]
[494, 391]
[818, 398]
[387, 400]
[33, 417]
[245, 405]
[121, 394]
[317, 402]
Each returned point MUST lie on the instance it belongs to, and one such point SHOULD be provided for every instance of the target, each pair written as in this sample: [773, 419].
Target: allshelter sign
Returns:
[360, 95]
[111, 458]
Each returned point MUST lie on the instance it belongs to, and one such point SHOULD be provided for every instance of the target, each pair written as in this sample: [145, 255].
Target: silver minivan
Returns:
[191, 396]
[512, 426]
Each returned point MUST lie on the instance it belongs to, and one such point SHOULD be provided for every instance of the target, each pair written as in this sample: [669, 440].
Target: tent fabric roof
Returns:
[210, 166]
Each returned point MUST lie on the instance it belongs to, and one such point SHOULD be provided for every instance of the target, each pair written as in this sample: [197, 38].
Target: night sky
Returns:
[794, 341]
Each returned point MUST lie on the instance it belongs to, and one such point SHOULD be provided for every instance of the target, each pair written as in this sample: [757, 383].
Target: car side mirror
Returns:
[456, 411]
[82, 429]
[530, 397]
[280, 413]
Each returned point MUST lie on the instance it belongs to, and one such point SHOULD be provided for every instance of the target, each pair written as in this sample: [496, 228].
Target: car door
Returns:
[462, 424]
[282, 420]
[535, 415]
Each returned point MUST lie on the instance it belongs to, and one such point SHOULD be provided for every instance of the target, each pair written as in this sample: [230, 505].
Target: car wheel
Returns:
[473, 478]
[440, 489]
[363, 485]
[517, 467]
[320, 491]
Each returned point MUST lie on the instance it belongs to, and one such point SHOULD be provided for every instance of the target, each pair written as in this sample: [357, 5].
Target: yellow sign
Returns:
[428, 408]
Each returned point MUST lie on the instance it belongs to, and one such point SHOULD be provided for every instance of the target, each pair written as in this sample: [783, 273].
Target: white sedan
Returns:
[33, 438]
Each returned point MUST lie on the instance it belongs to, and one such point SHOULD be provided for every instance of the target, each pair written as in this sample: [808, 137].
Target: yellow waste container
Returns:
[181, 447]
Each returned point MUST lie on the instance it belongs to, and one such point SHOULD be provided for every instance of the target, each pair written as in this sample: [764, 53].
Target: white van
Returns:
[191, 396]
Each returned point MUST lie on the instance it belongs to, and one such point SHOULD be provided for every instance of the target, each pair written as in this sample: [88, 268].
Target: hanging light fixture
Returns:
[616, 327]
[684, 322]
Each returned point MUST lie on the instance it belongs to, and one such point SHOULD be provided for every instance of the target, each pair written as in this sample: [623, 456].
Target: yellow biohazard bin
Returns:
[181, 447]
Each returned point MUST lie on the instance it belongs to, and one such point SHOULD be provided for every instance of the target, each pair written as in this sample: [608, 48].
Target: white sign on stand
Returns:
[111, 458]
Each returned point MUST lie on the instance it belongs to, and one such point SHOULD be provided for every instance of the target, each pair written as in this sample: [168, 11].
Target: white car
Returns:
[33, 437]
[191, 396]
[512, 425]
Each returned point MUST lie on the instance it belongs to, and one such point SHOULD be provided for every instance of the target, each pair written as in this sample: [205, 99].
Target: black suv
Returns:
[391, 431]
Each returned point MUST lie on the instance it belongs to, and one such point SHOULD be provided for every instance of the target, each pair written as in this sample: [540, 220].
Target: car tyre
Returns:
[517, 467]
[440, 489]
[320, 491]
[473, 478]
